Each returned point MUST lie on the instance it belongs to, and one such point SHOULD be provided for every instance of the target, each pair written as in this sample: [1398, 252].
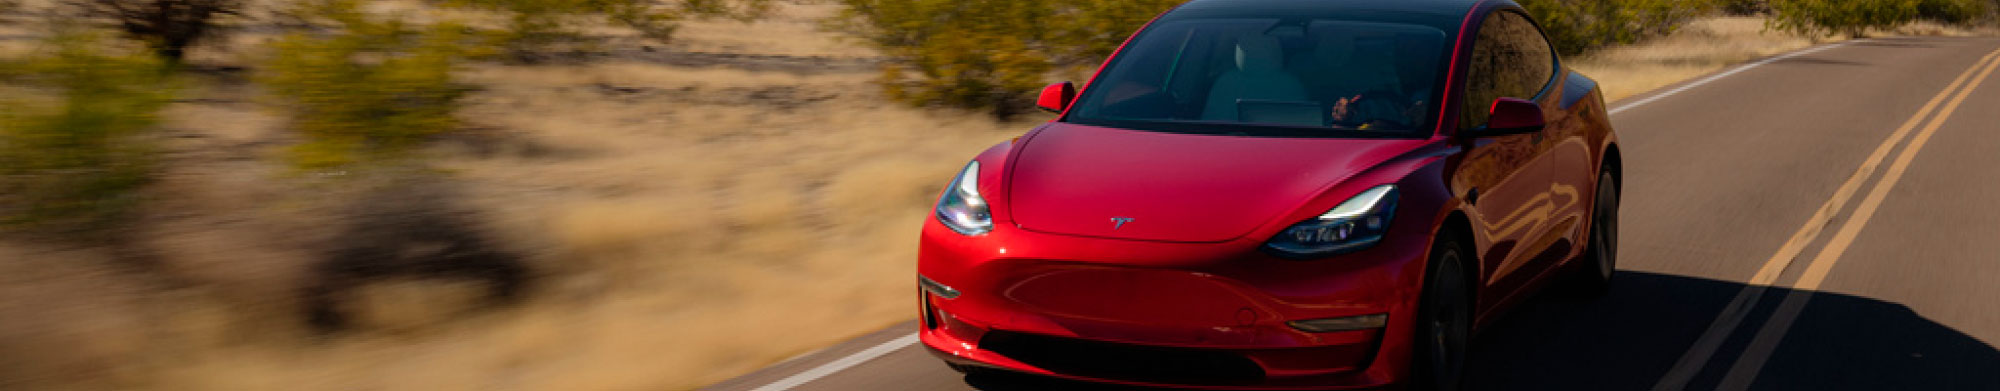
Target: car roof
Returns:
[1447, 15]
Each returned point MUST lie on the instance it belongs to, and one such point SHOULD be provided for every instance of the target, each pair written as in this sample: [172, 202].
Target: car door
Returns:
[1510, 175]
[1572, 162]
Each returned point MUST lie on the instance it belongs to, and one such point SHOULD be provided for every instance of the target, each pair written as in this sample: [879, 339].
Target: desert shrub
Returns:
[1088, 31]
[168, 26]
[1745, 7]
[73, 148]
[993, 54]
[1856, 17]
[533, 25]
[367, 89]
[406, 225]
[1952, 11]
[1575, 26]
[988, 54]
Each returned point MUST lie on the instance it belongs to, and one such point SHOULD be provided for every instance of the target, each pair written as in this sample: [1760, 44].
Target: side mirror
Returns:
[1056, 97]
[1512, 116]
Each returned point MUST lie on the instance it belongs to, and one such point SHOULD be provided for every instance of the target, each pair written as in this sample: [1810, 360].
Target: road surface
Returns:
[1827, 219]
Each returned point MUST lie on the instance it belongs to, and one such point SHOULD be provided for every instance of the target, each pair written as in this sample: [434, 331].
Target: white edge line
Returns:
[899, 343]
[1719, 76]
[840, 365]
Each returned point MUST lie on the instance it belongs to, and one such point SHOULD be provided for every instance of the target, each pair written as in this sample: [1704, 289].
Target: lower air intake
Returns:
[1113, 361]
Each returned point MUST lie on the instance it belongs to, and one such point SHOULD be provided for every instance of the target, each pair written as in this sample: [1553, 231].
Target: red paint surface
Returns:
[1187, 272]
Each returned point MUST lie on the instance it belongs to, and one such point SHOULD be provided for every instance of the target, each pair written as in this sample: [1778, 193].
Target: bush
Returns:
[1575, 26]
[169, 26]
[993, 54]
[1856, 17]
[988, 54]
[368, 90]
[1746, 7]
[73, 151]
[534, 25]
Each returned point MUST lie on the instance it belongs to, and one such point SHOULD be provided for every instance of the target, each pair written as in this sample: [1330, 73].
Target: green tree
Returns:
[368, 90]
[74, 150]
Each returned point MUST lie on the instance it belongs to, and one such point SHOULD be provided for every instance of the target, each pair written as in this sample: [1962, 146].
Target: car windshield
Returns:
[1301, 78]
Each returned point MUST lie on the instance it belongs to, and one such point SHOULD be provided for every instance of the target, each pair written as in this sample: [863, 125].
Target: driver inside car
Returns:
[1362, 88]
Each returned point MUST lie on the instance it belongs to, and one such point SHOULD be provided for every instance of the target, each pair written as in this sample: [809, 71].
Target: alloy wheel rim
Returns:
[1446, 334]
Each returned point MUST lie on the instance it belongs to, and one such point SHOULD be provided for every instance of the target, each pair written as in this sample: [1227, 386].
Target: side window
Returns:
[1510, 59]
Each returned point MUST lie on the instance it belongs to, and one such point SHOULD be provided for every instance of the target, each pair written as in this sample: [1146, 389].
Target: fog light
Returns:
[935, 288]
[1329, 325]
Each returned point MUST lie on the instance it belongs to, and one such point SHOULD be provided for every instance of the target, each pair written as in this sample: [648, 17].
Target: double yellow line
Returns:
[1745, 369]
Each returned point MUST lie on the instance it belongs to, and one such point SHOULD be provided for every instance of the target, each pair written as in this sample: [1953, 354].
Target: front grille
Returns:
[1113, 361]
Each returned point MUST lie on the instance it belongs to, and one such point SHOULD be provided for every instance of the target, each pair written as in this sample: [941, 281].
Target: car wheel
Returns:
[1600, 259]
[1444, 323]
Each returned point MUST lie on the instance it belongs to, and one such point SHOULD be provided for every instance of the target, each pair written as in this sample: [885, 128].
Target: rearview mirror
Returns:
[1512, 116]
[1056, 97]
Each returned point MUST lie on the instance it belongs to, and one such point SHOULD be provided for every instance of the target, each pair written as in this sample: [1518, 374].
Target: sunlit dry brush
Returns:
[530, 28]
[1698, 48]
[743, 172]
[769, 197]
[1707, 45]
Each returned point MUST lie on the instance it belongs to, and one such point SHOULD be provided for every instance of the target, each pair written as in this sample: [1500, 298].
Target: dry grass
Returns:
[684, 207]
[1708, 45]
[1699, 48]
[682, 216]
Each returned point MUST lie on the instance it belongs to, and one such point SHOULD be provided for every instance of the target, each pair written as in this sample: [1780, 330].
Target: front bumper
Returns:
[1201, 315]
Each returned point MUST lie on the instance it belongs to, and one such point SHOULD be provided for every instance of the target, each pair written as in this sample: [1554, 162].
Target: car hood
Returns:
[1116, 183]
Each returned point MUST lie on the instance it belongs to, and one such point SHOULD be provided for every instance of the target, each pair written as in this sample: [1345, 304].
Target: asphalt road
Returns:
[1824, 220]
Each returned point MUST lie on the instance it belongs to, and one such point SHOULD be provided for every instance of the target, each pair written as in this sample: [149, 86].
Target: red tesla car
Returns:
[1279, 194]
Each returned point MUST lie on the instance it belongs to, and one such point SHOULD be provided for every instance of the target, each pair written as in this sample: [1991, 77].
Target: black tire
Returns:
[1600, 255]
[1444, 318]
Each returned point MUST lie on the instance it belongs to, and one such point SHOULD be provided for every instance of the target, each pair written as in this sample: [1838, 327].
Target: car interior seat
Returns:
[1259, 75]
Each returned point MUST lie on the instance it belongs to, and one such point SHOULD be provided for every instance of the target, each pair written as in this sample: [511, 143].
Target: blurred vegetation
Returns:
[168, 26]
[534, 26]
[988, 54]
[74, 149]
[1745, 7]
[1855, 17]
[995, 54]
[1576, 26]
[367, 89]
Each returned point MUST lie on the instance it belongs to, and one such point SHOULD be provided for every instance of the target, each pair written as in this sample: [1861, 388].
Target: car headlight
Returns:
[1351, 226]
[961, 208]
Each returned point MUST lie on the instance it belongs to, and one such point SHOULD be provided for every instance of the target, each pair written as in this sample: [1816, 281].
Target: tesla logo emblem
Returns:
[1119, 222]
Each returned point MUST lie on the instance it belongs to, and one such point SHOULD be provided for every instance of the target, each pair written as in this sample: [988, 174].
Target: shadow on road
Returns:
[1897, 43]
[1629, 338]
[1819, 61]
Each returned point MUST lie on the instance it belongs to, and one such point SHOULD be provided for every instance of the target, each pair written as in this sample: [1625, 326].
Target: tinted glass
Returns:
[1311, 78]
[1510, 59]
